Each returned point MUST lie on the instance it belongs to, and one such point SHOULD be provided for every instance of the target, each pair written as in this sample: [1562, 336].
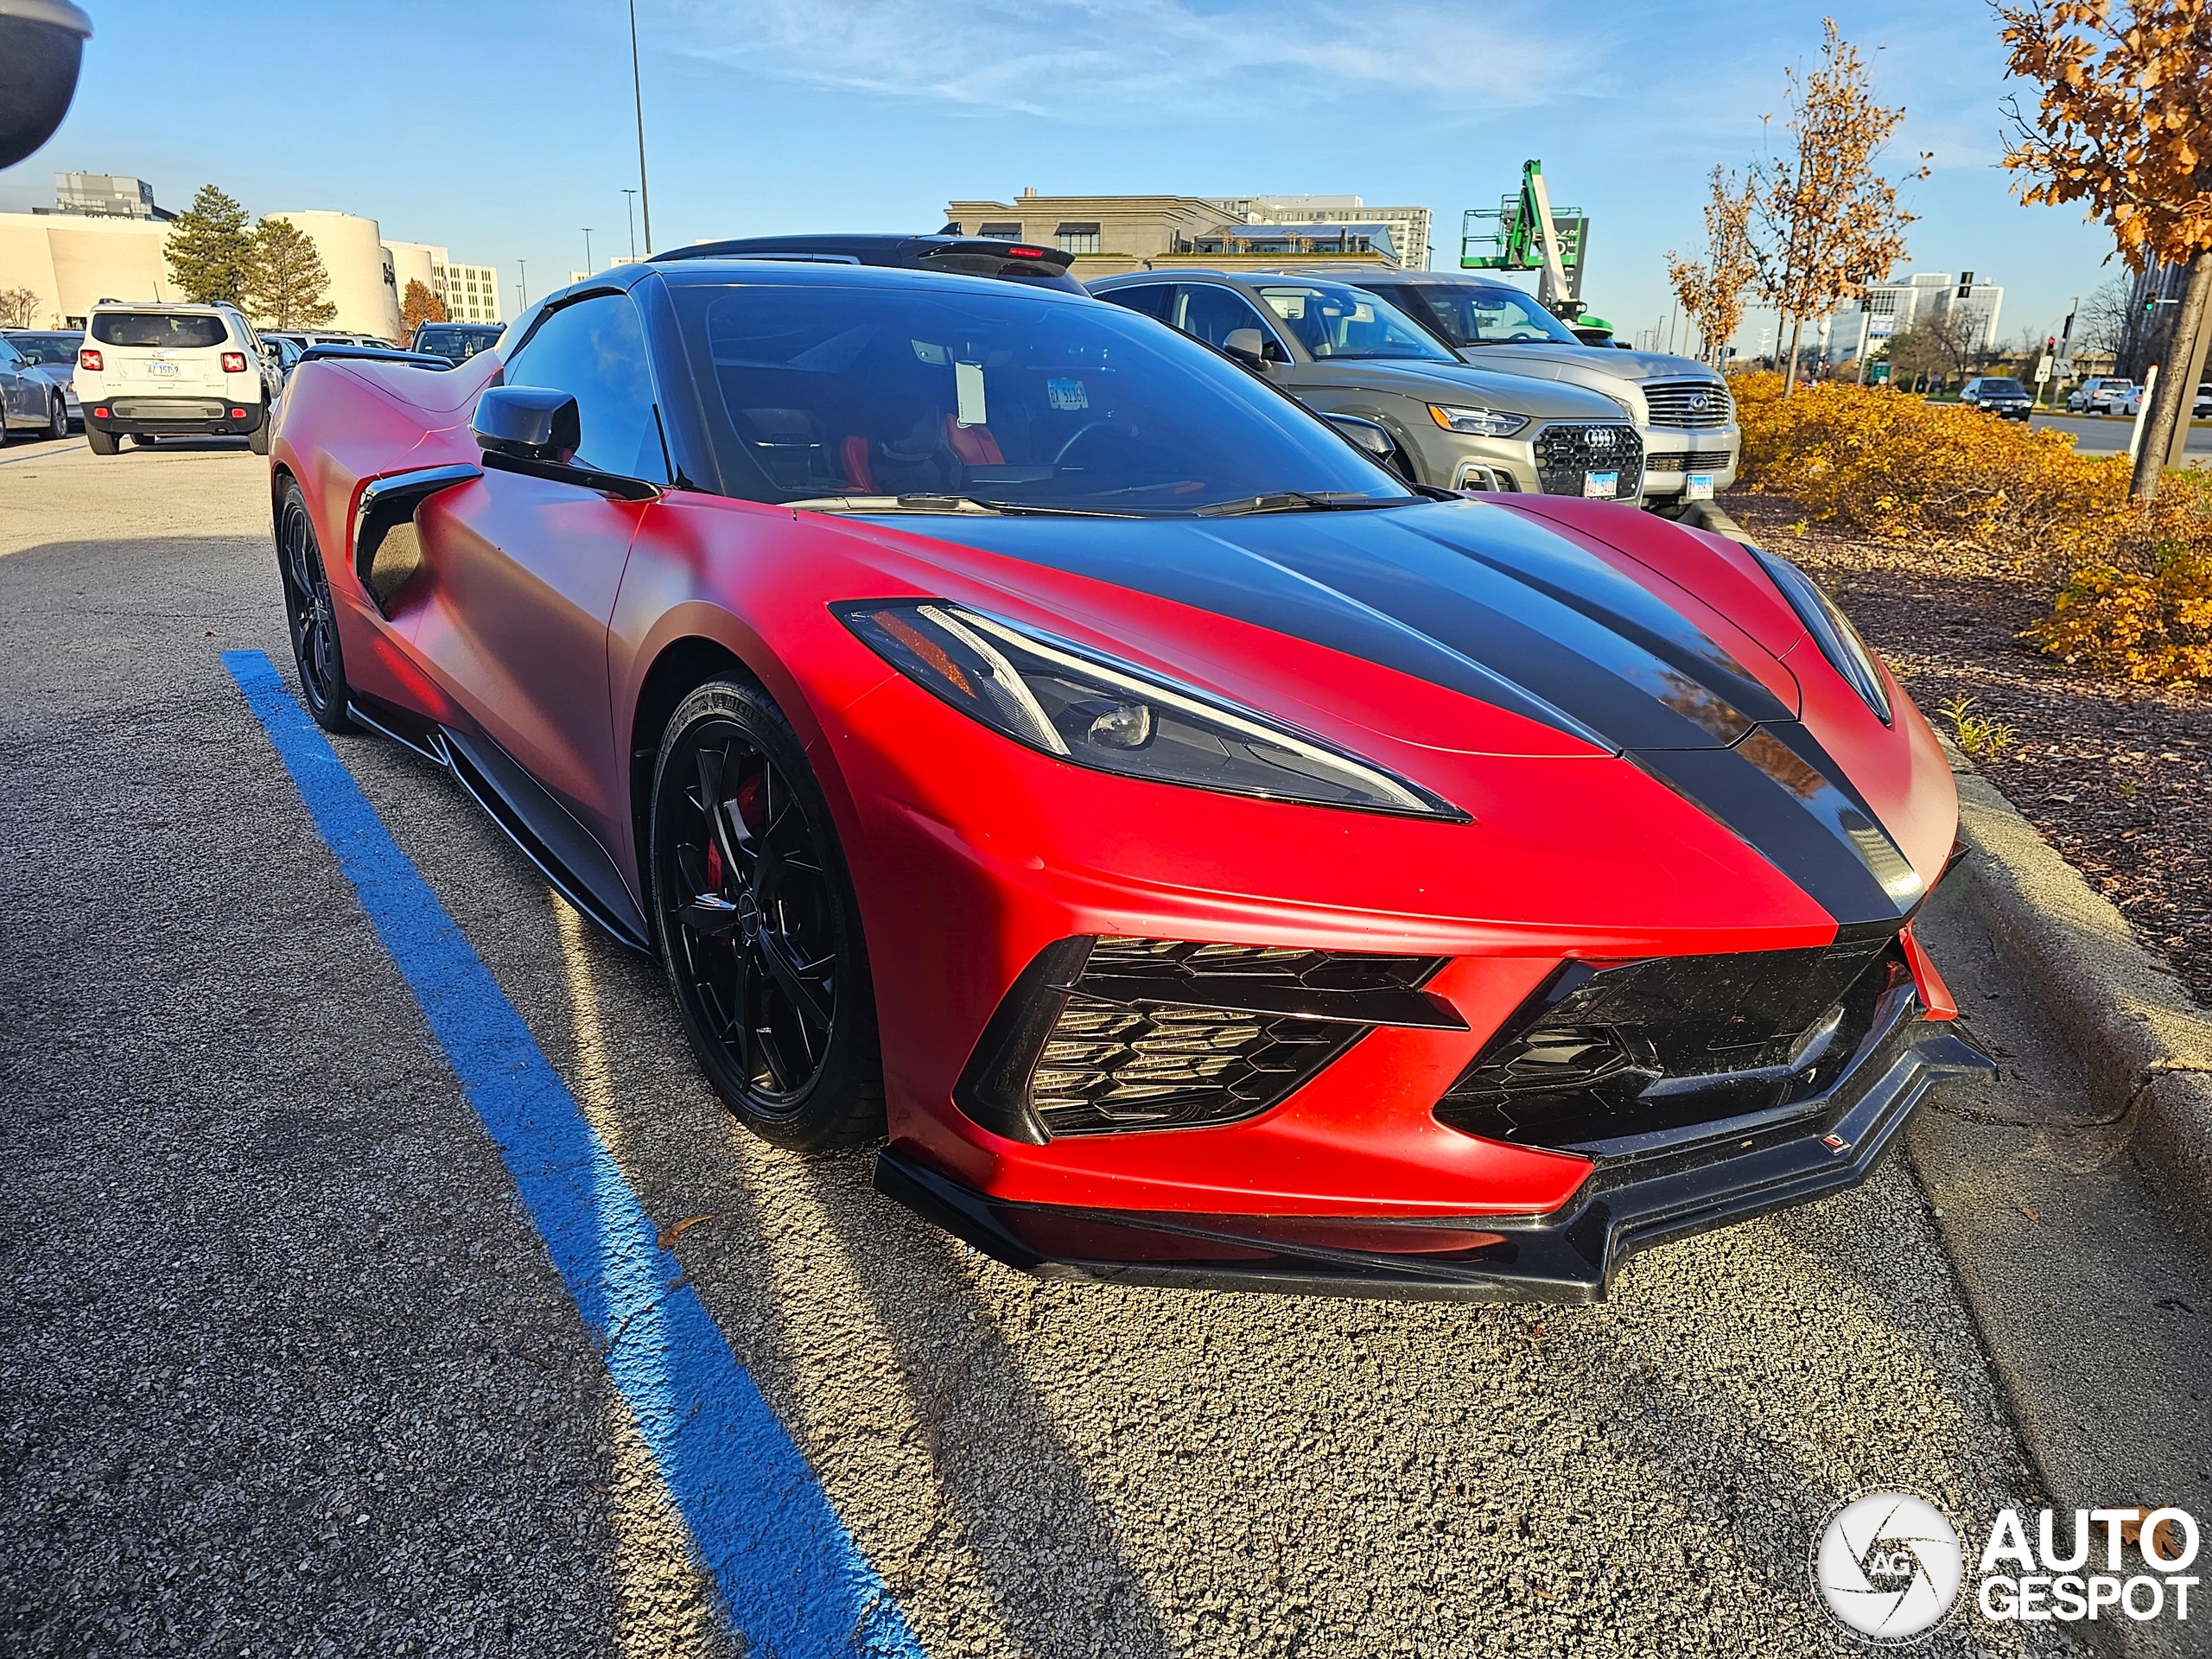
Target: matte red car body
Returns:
[544, 610]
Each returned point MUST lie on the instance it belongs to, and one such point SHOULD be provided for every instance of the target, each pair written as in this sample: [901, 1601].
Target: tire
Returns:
[759, 933]
[100, 442]
[57, 419]
[311, 619]
[258, 439]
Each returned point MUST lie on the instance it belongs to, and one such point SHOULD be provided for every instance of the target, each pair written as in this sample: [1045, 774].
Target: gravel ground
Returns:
[2117, 776]
[265, 1277]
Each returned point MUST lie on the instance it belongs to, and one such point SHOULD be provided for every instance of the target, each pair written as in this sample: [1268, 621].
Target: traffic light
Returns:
[2050, 342]
[2150, 305]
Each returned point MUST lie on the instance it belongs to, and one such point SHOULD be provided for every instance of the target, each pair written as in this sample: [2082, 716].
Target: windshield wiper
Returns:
[931, 502]
[1299, 501]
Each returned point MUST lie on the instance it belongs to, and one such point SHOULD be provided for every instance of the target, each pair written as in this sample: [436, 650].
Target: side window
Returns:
[595, 351]
[1213, 314]
[7, 354]
[1149, 298]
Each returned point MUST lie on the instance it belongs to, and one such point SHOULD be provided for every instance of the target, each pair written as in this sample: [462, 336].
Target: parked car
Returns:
[948, 250]
[1342, 350]
[1027, 737]
[2100, 394]
[286, 351]
[1682, 412]
[1998, 394]
[50, 354]
[2201, 409]
[147, 371]
[455, 342]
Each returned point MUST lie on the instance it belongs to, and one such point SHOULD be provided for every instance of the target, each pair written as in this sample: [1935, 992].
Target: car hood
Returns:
[1619, 375]
[1514, 612]
[1454, 382]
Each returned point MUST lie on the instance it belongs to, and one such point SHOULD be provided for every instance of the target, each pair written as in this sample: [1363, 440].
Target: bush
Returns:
[2136, 594]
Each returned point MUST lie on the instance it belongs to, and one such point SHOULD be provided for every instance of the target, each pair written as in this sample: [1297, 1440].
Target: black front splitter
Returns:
[1731, 1172]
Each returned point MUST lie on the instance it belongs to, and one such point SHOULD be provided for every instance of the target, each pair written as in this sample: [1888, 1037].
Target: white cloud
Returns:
[1088, 61]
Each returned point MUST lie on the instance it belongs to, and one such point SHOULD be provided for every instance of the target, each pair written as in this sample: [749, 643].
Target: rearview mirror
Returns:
[1375, 439]
[527, 423]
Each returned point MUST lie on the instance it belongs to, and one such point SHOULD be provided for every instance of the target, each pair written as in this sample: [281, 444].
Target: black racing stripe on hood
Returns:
[1480, 602]
[1497, 607]
[1783, 793]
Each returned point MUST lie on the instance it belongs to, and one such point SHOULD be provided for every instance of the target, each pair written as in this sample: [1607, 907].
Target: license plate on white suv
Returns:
[1698, 487]
[169, 369]
[1601, 486]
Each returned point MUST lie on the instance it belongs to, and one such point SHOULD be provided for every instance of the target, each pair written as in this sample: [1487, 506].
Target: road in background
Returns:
[2107, 434]
[286, 1369]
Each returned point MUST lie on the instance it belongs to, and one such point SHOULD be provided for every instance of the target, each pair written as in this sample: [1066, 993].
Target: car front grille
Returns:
[1600, 1053]
[1565, 455]
[1687, 460]
[1109, 1034]
[1688, 405]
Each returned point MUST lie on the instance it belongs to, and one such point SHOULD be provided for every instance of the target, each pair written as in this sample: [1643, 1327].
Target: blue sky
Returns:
[501, 128]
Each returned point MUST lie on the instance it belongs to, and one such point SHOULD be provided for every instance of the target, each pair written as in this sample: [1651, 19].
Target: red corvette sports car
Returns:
[1023, 734]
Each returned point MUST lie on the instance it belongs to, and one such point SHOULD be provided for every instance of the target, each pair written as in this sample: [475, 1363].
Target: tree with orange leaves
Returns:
[416, 308]
[1827, 222]
[2121, 126]
[1711, 288]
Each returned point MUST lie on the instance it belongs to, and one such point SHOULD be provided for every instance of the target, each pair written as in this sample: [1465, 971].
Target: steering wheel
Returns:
[1060, 455]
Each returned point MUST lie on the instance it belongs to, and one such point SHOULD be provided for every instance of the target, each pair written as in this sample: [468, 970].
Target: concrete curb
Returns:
[2143, 1040]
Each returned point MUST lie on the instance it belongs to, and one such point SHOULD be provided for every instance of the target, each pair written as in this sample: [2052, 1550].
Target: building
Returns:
[1927, 298]
[1108, 234]
[470, 293]
[104, 195]
[1408, 226]
[102, 239]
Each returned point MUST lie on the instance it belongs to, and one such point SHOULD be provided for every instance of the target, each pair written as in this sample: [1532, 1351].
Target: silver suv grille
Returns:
[1688, 405]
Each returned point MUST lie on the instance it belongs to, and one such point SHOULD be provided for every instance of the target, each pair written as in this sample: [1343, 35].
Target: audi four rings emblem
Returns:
[1601, 439]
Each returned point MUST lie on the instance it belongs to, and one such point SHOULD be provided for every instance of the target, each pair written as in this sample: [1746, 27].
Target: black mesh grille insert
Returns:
[1117, 1033]
[1689, 460]
[1566, 455]
[1599, 1053]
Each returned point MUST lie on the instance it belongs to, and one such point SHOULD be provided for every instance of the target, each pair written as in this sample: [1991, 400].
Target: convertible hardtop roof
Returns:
[969, 255]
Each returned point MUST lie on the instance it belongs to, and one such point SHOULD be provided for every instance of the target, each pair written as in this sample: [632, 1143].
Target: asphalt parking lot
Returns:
[287, 1367]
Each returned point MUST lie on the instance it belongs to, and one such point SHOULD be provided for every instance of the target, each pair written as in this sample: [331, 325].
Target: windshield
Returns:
[1486, 313]
[2005, 385]
[1335, 321]
[179, 331]
[1016, 399]
[47, 348]
[459, 344]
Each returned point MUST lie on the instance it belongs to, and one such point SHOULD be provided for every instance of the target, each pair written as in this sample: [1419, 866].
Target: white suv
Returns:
[151, 370]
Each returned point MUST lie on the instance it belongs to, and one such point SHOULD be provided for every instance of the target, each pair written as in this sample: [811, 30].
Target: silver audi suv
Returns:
[1351, 356]
[1680, 407]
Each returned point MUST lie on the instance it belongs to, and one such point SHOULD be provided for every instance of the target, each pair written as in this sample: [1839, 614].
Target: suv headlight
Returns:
[1477, 423]
[1831, 630]
[1077, 705]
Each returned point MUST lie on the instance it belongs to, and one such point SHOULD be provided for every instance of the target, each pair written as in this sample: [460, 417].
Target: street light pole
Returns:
[630, 212]
[587, 250]
[522, 282]
[637, 92]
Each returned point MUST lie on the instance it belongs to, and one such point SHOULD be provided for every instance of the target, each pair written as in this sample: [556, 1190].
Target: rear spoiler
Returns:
[375, 354]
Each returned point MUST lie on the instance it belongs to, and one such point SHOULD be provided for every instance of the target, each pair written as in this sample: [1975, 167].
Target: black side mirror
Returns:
[1370, 435]
[42, 44]
[528, 423]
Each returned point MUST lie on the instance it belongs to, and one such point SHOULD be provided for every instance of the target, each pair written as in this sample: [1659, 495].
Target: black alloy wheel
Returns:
[760, 933]
[314, 624]
[57, 419]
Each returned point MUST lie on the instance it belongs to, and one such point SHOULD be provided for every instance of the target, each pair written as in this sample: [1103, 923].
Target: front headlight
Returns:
[1077, 705]
[1831, 630]
[1477, 423]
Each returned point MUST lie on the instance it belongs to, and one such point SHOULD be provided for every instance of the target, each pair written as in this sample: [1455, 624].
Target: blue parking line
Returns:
[794, 1584]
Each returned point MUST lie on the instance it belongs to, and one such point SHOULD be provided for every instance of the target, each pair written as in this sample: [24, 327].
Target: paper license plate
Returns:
[1698, 487]
[1603, 487]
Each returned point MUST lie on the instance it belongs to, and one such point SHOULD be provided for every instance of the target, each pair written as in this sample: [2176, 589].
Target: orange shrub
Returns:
[2137, 593]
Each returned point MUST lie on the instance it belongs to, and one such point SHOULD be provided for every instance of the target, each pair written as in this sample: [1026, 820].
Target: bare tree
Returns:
[1711, 288]
[2120, 127]
[1828, 223]
[18, 308]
